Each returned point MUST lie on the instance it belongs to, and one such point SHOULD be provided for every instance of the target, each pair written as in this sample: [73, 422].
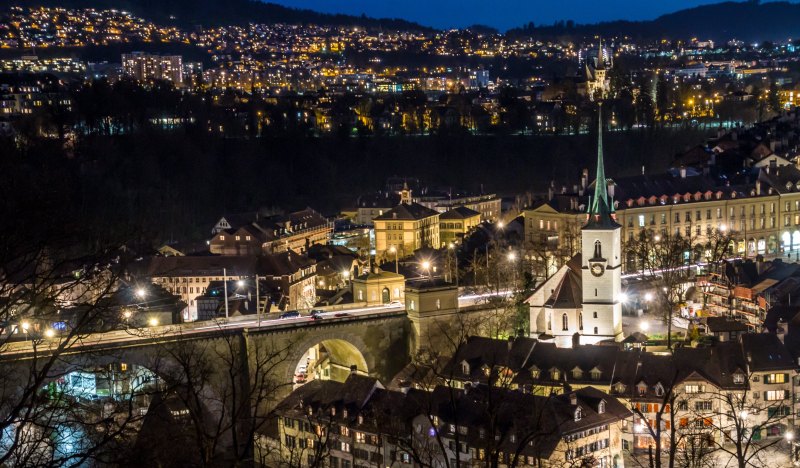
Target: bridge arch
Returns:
[342, 351]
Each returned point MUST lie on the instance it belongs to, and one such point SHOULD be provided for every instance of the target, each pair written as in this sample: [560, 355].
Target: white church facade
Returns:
[585, 295]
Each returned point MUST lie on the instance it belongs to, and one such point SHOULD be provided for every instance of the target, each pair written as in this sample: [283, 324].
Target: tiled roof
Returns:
[407, 211]
[461, 212]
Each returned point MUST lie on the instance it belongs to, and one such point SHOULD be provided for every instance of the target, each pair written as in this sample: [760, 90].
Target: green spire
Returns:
[600, 207]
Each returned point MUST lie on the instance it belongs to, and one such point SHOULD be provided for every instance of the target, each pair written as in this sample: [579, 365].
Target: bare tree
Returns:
[229, 386]
[663, 259]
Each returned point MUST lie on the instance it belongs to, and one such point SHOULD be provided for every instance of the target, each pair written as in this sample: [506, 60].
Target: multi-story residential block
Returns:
[488, 205]
[150, 67]
[360, 423]
[746, 290]
[763, 216]
[456, 224]
[250, 234]
[694, 391]
[371, 206]
[289, 276]
[406, 228]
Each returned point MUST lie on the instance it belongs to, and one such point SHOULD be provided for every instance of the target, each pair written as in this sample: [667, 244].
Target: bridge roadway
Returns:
[176, 332]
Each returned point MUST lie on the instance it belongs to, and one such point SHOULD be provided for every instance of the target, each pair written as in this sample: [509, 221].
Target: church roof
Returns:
[568, 293]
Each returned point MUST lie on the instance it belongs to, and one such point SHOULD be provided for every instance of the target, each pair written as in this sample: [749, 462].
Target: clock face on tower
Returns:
[597, 269]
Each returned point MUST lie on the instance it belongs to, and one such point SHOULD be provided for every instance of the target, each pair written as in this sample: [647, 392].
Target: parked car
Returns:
[342, 314]
[290, 314]
[393, 304]
[316, 314]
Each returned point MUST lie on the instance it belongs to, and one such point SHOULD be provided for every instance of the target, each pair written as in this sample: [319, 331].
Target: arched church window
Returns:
[580, 320]
[564, 322]
[595, 330]
[594, 314]
[598, 249]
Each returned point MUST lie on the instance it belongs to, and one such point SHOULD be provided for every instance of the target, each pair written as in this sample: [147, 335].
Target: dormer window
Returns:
[360, 419]
[738, 378]
[555, 373]
[344, 413]
[535, 372]
[659, 389]
[577, 373]
[641, 388]
[486, 370]
[221, 237]
[601, 407]
[595, 374]
[578, 414]
[465, 367]
[333, 411]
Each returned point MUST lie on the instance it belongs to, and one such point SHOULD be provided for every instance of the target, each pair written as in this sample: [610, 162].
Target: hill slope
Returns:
[748, 21]
[188, 13]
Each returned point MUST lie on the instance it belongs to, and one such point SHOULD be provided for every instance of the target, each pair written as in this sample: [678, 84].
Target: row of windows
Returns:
[565, 320]
[587, 449]
[238, 238]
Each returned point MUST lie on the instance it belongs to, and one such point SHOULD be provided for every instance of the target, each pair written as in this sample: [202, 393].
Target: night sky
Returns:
[501, 14]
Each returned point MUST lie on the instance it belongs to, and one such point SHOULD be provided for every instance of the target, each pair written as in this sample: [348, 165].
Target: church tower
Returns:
[601, 269]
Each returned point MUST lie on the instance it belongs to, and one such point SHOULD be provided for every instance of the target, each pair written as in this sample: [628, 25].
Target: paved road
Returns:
[169, 332]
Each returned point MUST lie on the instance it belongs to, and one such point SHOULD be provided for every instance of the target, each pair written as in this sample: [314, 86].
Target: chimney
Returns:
[584, 179]
[610, 190]
[549, 193]
[683, 172]
[573, 399]
[758, 188]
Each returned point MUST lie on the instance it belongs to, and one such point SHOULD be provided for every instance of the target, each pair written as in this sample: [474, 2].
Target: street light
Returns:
[426, 265]
[141, 293]
[25, 326]
[153, 322]
[644, 326]
[49, 333]
[451, 247]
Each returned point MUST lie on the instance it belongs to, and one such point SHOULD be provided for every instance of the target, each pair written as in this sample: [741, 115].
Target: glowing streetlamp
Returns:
[153, 322]
[25, 327]
[141, 293]
[451, 247]
[49, 333]
[426, 265]
[644, 326]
